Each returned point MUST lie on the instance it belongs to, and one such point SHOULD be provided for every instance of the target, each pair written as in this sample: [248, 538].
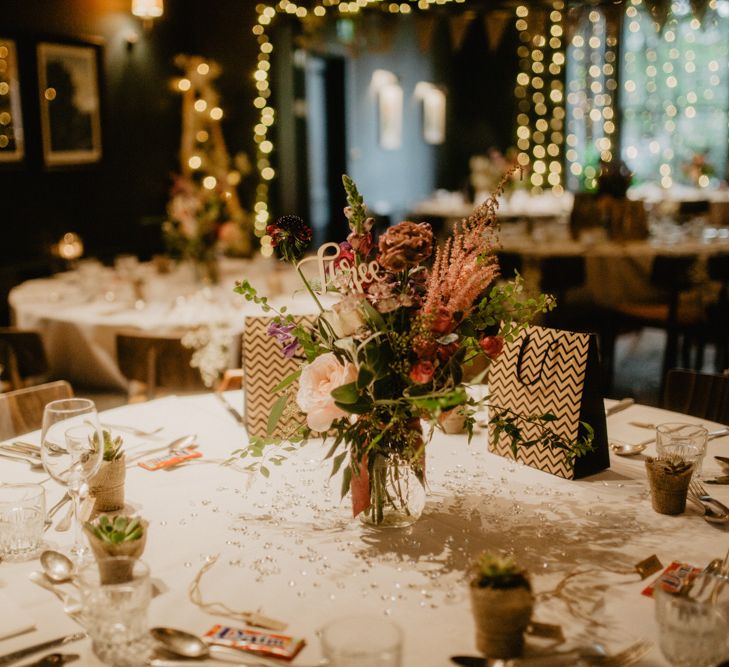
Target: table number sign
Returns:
[550, 371]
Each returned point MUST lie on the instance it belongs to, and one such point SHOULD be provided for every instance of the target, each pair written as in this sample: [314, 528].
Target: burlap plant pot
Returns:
[501, 616]
[453, 422]
[668, 491]
[116, 573]
[107, 485]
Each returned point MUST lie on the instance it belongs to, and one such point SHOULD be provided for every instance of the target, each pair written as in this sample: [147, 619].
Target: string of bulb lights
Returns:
[560, 134]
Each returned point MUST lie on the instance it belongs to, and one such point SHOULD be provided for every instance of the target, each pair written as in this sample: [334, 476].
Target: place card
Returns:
[649, 566]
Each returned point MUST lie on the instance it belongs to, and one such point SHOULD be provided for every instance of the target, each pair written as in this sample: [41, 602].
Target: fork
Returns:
[698, 491]
[627, 657]
[35, 466]
[133, 430]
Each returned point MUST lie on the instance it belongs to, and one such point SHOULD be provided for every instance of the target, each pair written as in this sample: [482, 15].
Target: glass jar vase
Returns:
[397, 493]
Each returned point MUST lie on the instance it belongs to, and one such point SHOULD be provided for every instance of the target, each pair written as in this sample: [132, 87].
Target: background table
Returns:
[79, 313]
[290, 548]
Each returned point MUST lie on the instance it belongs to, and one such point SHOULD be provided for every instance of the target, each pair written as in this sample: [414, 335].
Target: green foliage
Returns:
[117, 530]
[492, 571]
[356, 203]
[112, 446]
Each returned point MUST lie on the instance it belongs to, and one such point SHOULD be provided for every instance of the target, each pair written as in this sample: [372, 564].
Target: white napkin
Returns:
[13, 619]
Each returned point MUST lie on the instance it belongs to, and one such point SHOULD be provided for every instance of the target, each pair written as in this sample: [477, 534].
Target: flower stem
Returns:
[308, 287]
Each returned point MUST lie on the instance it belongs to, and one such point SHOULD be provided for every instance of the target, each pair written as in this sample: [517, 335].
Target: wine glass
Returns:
[71, 451]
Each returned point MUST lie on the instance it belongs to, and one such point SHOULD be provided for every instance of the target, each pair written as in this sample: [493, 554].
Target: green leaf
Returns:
[346, 394]
[364, 377]
[361, 407]
[276, 411]
[346, 480]
[289, 379]
[337, 463]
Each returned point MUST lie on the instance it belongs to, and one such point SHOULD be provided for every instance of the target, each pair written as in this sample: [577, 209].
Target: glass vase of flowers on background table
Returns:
[392, 350]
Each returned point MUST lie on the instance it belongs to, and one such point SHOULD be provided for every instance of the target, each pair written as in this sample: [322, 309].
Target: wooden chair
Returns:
[702, 395]
[157, 361]
[21, 410]
[672, 275]
[716, 322]
[22, 356]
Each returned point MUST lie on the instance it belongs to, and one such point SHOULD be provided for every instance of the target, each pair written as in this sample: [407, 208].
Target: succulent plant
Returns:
[492, 571]
[117, 530]
[672, 464]
[112, 446]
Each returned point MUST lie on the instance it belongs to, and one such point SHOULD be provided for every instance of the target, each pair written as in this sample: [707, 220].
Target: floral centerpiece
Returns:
[409, 318]
[199, 225]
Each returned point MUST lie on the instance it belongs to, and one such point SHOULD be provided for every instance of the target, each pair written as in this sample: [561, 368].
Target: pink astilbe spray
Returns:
[466, 264]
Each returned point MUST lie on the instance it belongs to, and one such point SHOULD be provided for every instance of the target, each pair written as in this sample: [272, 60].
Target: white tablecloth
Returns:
[290, 548]
[79, 315]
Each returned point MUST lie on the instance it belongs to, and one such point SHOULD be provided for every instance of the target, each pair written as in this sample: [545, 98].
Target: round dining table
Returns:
[288, 547]
[80, 312]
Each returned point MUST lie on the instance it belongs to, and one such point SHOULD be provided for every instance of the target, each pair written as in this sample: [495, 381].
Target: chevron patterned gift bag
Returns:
[264, 367]
[550, 371]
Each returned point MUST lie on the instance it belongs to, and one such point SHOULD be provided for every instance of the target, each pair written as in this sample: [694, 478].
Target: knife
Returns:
[231, 410]
[619, 406]
[723, 479]
[23, 652]
[55, 659]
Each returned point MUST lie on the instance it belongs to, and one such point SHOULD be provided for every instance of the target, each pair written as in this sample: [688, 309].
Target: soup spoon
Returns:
[56, 566]
[187, 645]
[627, 449]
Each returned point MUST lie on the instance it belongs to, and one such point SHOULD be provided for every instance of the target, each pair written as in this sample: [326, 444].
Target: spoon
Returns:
[627, 449]
[35, 466]
[187, 645]
[56, 566]
[723, 461]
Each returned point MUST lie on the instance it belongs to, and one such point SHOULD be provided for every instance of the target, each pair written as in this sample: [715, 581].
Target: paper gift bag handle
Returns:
[522, 350]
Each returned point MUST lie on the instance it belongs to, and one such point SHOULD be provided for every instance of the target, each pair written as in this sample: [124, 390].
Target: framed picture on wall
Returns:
[68, 79]
[12, 145]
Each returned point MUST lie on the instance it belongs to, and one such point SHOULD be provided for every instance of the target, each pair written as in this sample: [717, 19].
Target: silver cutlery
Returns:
[231, 410]
[698, 490]
[54, 510]
[70, 605]
[132, 430]
[593, 654]
[722, 479]
[178, 443]
[54, 659]
[35, 466]
[644, 443]
[619, 406]
[22, 449]
[9, 658]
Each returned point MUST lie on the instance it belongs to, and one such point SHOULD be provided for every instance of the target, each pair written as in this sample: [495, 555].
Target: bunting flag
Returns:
[425, 24]
[496, 23]
[572, 18]
[381, 31]
[458, 24]
[699, 7]
[659, 10]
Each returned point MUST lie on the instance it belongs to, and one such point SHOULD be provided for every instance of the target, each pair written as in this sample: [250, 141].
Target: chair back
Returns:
[22, 355]
[702, 395]
[21, 410]
[157, 361]
[560, 273]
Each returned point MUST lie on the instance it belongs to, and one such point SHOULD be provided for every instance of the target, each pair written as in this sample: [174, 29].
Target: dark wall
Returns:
[116, 206]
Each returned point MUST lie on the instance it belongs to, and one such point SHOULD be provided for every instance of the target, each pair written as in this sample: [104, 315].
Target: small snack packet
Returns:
[170, 459]
[256, 641]
[675, 578]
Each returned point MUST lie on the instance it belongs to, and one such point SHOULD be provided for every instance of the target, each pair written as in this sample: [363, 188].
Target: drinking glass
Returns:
[22, 515]
[71, 452]
[362, 641]
[685, 440]
[115, 595]
[694, 632]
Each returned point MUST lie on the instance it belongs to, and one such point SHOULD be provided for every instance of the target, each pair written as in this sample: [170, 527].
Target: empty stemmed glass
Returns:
[71, 451]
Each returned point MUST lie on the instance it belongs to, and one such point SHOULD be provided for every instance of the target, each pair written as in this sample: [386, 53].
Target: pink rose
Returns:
[316, 383]
[422, 372]
[492, 346]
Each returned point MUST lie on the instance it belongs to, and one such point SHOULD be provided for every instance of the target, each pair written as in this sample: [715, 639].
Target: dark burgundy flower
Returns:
[422, 372]
[492, 346]
[445, 352]
[442, 322]
[291, 235]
